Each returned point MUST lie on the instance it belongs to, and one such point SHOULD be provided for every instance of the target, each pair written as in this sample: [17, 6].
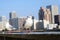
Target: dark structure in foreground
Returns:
[57, 19]
[30, 36]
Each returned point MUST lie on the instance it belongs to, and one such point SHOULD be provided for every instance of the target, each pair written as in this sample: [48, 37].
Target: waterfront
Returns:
[32, 36]
[30, 32]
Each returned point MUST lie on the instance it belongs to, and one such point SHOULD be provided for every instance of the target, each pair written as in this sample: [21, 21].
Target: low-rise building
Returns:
[51, 26]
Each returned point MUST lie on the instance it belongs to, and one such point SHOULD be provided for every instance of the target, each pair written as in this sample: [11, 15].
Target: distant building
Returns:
[18, 22]
[3, 21]
[45, 17]
[21, 21]
[14, 22]
[57, 19]
[12, 15]
[12, 18]
[53, 10]
[38, 25]
[44, 14]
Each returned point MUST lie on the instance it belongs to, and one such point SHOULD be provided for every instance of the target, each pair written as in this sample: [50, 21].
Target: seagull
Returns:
[28, 23]
[9, 27]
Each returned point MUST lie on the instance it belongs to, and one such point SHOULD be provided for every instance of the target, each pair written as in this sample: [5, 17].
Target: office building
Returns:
[45, 17]
[38, 25]
[44, 14]
[3, 21]
[57, 19]
[54, 11]
[14, 23]
[51, 26]
[18, 22]
[12, 14]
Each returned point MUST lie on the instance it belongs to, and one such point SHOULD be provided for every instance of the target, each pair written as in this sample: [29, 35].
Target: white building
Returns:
[51, 26]
[3, 21]
[45, 23]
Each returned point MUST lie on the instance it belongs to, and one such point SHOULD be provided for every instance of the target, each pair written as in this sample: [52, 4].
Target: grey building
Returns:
[17, 22]
[12, 17]
[14, 23]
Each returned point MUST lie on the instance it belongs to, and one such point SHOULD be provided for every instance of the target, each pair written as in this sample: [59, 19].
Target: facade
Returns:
[12, 14]
[54, 11]
[14, 23]
[57, 19]
[3, 21]
[1, 26]
[44, 14]
[21, 21]
[17, 22]
[51, 26]
[38, 25]
[13, 19]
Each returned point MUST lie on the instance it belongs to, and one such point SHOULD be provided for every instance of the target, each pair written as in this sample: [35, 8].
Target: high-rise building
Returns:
[12, 15]
[54, 11]
[3, 21]
[44, 14]
[17, 23]
[14, 23]
[57, 19]
[45, 17]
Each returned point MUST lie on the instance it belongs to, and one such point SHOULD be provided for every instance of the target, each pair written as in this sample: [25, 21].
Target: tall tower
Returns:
[12, 15]
[57, 19]
[3, 21]
[44, 14]
[54, 11]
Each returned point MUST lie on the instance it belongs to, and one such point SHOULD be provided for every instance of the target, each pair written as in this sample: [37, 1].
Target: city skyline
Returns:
[24, 7]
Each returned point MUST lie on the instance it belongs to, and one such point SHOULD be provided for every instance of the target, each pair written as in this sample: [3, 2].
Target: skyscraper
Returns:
[44, 14]
[12, 15]
[54, 11]
[57, 19]
[3, 21]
